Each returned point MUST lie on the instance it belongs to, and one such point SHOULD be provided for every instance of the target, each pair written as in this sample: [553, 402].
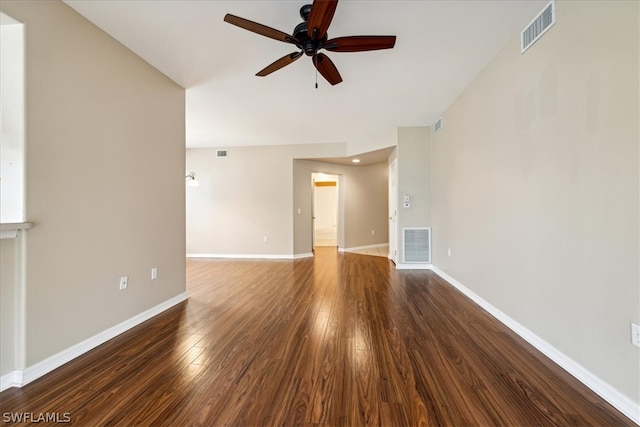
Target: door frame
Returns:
[393, 211]
[340, 209]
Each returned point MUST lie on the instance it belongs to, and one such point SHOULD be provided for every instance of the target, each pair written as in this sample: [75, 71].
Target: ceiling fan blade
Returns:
[320, 18]
[360, 43]
[280, 63]
[327, 68]
[263, 30]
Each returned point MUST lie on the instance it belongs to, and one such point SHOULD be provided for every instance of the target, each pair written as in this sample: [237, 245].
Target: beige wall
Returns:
[241, 199]
[414, 175]
[364, 192]
[256, 192]
[105, 168]
[365, 199]
[535, 187]
[244, 197]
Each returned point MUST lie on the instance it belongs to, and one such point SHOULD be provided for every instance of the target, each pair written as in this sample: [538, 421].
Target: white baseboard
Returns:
[242, 256]
[22, 378]
[618, 400]
[405, 266]
[307, 255]
[251, 256]
[12, 379]
[361, 248]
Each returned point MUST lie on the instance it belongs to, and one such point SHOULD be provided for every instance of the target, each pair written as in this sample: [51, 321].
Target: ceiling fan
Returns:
[311, 36]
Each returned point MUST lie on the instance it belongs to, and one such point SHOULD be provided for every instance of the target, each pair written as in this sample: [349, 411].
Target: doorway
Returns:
[325, 209]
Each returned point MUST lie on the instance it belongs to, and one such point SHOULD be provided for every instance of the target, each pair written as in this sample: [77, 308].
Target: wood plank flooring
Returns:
[336, 340]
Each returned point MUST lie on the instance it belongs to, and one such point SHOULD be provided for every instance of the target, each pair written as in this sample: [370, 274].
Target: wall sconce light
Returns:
[191, 180]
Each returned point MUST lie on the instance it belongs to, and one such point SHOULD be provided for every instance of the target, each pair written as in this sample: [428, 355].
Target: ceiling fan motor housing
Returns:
[310, 47]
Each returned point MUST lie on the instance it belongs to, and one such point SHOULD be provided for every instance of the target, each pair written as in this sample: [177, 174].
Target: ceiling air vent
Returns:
[417, 245]
[437, 125]
[538, 26]
[222, 153]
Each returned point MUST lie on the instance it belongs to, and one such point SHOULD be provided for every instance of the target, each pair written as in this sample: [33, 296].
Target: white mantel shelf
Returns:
[9, 230]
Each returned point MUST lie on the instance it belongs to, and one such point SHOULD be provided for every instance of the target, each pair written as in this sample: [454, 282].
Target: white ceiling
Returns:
[441, 46]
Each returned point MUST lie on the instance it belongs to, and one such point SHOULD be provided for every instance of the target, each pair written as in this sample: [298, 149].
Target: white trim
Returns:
[299, 256]
[242, 256]
[413, 266]
[8, 234]
[6, 226]
[360, 248]
[22, 378]
[12, 379]
[600, 387]
[20, 340]
[9, 230]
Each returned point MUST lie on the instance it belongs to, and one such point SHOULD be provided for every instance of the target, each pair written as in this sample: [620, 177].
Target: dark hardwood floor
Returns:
[340, 340]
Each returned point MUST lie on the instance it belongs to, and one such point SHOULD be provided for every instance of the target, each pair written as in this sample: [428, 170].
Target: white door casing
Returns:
[393, 211]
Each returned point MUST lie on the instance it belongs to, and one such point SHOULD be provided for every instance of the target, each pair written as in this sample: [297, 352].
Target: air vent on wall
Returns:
[538, 26]
[222, 153]
[417, 245]
[437, 125]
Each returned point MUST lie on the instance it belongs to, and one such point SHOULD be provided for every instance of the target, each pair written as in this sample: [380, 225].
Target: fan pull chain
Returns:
[315, 59]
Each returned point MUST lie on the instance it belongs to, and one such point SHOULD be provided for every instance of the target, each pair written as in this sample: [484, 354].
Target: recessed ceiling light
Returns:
[356, 160]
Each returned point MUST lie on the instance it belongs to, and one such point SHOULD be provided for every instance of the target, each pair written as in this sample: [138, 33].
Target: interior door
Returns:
[393, 211]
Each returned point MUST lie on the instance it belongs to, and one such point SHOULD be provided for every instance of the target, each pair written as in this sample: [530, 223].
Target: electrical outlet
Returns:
[449, 252]
[635, 334]
[373, 232]
[154, 273]
[124, 281]
[265, 239]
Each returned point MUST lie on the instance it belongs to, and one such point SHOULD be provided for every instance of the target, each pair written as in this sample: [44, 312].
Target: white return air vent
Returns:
[417, 245]
[538, 26]
[222, 153]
